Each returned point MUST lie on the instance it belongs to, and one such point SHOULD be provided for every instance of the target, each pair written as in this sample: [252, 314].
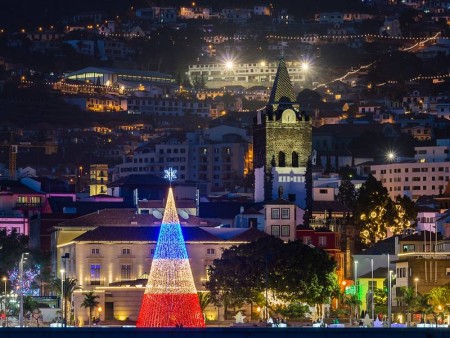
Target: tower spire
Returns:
[282, 90]
[170, 297]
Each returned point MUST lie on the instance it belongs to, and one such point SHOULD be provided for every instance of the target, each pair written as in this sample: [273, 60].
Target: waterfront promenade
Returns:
[232, 332]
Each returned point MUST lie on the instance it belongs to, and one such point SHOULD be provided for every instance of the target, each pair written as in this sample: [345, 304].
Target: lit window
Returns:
[95, 274]
[275, 213]
[275, 230]
[125, 272]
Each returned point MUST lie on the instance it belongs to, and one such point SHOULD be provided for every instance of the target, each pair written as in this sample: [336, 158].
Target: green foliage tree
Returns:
[406, 298]
[375, 212]
[90, 302]
[70, 286]
[347, 192]
[289, 273]
[12, 245]
[370, 211]
[204, 299]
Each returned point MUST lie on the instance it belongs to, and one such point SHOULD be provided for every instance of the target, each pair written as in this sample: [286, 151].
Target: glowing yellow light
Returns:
[229, 65]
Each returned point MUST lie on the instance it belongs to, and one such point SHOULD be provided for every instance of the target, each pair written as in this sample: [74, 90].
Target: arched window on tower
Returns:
[294, 159]
[281, 159]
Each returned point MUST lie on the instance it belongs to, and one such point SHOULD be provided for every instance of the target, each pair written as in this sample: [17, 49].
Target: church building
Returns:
[282, 141]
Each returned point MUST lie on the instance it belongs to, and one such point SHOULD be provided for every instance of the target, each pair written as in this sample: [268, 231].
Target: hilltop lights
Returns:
[391, 156]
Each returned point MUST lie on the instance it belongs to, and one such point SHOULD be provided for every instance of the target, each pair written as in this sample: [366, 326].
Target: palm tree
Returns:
[70, 285]
[90, 302]
[204, 299]
[354, 303]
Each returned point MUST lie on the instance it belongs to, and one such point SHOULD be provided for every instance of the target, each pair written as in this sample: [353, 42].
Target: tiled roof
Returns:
[335, 206]
[249, 235]
[182, 203]
[16, 187]
[125, 217]
[136, 179]
[147, 233]
[58, 204]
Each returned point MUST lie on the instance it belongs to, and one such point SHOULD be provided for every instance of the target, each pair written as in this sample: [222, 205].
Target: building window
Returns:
[275, 213]
[285, 231]
[275, 230]
[307, 240]
[281, 159]
[95, 274]
[372, 285]
[294, 159]
[285, 213]
[125, 272]
[409, 248]
[152, 252]
[322, 241]
[447, 272]
[210, 251]
[126, 251]
[95, 251]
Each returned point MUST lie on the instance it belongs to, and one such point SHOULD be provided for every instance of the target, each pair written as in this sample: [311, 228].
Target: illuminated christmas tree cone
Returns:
[170, 297]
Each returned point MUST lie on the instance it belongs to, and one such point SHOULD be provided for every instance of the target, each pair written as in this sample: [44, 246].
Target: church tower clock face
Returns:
[288, 116]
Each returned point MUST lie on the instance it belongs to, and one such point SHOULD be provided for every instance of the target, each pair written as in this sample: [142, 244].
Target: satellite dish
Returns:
[183, 214]
[157, 214]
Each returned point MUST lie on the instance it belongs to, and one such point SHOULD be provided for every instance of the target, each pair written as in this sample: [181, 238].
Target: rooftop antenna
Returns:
[282, 48]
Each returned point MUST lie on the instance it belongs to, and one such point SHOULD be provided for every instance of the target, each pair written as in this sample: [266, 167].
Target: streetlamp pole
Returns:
[22, 259]
[356, 279]
[62, 297]
[4, 279]
[372, 294]
[390, 299]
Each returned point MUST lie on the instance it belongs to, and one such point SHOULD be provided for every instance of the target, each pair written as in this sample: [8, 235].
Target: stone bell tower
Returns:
[282, 142]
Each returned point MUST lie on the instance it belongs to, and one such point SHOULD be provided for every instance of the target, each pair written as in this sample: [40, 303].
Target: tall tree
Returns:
[69, 287]
[12, 245]
[347, 192]
[371, 211]
[90, 302]
[272, 271]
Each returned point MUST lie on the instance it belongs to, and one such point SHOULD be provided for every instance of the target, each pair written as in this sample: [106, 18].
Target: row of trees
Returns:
[269, 273]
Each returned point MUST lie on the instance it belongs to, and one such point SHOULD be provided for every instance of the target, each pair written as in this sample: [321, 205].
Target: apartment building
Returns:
[216, 158]
[413, 179]
[164, 106]
[261, 73]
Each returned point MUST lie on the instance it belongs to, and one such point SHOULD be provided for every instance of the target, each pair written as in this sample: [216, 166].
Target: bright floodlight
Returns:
[229, 65]
[305, 66]
[391, 156]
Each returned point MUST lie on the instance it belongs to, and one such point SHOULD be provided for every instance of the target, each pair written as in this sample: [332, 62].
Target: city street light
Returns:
[356, 279]
[372, 294]
[62, 271]
[416, 280]
[4, 279]
[22, 260]
[390, 298]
